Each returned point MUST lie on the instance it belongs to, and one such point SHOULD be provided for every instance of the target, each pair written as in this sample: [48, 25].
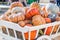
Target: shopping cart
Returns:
[12, 31]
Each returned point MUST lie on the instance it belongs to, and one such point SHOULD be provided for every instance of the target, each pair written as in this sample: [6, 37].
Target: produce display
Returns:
[32, 16]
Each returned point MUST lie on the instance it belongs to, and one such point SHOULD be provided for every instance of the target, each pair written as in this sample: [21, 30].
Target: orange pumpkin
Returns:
[29, 25]
[31, 12]
[13, 18]
[21, 23]
[4, 17]
[32, 35]
[38, 20]
[48, 20]
[27, 21]
[57, 18]
[14, 4]
[44, 12]
[20, 17]
[35, 5]
[48, 31]
[59, 13]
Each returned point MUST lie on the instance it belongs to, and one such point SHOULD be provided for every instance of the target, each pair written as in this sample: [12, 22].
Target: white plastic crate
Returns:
[7, 27]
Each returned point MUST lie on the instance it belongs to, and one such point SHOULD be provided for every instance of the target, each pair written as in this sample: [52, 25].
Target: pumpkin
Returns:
[8, 12]
[35, 5]
[4, 17]
[21, 23]
[38, 20]
[31, 12]
[28, 25]
[57, 18]
[16, 10]
[20, 17]
[59, 13]
[32, 33]
[27, 21]
[44, 12]
[48, 31]
[52, 8]
[13, 18]
[55, 28]
[48, 20]
[14, 4]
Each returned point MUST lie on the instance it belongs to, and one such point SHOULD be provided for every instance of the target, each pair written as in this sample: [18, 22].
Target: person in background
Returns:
[24, 2]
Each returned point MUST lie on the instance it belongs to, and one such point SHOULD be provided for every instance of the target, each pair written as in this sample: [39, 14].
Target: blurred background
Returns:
[4, 4]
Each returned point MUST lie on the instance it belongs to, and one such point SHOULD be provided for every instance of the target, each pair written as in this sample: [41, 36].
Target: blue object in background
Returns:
[58, 2]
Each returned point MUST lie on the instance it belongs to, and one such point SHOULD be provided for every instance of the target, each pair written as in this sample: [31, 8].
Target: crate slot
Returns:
[11, 32]
[4, 30]
[19, 35]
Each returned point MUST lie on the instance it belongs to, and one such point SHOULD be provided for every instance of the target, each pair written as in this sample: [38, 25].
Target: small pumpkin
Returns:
[31, 12]
[28, 21]
[48, 20]
[48, 31]
[38, 20]
[57, 18]
[16, 10]
[13, 18]
[44, 12]
[20, 17]
[21, 23]
[14, 4]
[4, 17]
[35, 5]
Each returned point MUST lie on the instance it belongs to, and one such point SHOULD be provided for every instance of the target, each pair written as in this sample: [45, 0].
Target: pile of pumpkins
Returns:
[33, 15]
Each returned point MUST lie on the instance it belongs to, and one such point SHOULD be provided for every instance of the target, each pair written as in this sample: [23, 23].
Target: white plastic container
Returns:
[6, 28]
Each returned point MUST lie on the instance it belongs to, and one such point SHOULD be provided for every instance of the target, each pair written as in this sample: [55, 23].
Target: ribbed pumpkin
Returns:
[16, 4]
[38, 20]
[44, 12]
[35, 5]
[21, 23]
[31, 12]
[4, 17]
[32, 33]
[16, 10]
[8, 12]
[20, 17]
[13, 18]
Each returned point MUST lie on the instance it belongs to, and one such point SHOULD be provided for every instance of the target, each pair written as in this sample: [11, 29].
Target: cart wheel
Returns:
[45, 37]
